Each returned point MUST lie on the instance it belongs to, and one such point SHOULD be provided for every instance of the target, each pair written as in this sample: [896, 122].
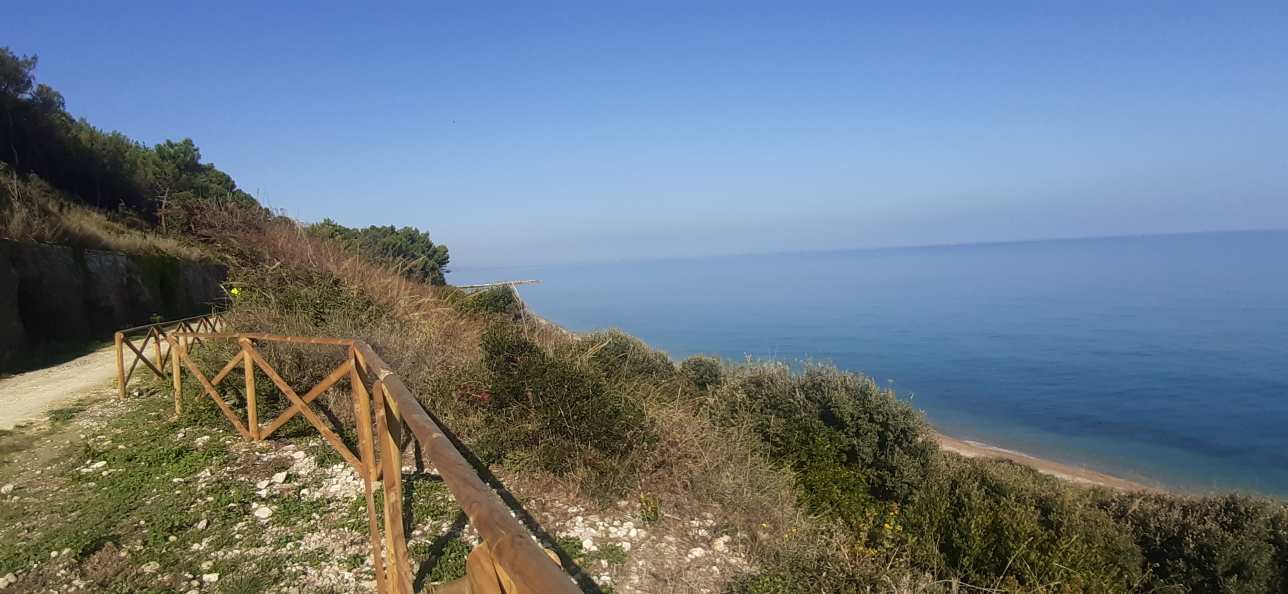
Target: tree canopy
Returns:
[107, 170]
[408, 247]
[164, 185]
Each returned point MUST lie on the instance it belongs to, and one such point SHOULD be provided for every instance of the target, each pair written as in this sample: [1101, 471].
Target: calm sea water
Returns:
[1162, 359]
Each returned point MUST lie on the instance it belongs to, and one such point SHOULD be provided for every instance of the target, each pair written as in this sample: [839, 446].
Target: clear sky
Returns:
[519, 133]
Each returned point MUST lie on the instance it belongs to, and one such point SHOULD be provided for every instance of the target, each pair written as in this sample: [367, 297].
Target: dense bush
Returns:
[1230, 543]
[312, 296]
[833, 425]
[866, 460]
[990, 521]
[705, 372]
[500, 301]
[620, 356]
[552, 412]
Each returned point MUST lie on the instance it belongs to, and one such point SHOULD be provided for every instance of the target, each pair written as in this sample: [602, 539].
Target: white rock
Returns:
[99, 464]
[210, 578]
[202, 524]
[7, 580]
[261, 484]
[7, 489]
[206, 565]
[151, 567]
[280, 477]
[263, 512]
[696, 553]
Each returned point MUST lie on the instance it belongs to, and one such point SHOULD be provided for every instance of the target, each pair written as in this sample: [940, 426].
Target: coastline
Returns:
[1073, 474]
[974, 449]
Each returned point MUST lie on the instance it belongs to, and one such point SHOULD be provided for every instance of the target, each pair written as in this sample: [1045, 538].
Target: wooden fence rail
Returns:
[156, 333]
[508, 561]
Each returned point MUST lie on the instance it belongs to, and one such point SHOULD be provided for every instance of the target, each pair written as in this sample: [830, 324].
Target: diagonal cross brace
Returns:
[305, 410]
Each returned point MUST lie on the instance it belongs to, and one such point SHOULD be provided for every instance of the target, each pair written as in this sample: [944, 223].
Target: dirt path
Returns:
[30, 396]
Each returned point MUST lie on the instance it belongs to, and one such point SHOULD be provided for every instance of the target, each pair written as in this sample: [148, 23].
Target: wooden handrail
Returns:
[508, 541]
[509, 561]
[156, 332]
[149, 326]
[266, 337]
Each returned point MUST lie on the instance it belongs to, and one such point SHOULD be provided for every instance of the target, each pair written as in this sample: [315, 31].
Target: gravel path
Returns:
[30, 396]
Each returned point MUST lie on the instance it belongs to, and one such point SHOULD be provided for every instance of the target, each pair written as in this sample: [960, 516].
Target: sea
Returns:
[1160, 359]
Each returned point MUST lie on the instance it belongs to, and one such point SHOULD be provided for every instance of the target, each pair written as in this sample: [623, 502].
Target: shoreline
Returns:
[1067, 472]
[975, 449]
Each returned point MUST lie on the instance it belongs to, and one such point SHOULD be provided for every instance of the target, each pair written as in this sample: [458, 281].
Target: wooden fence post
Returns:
[175, 376]
[391, 463]
[156, 334]
[252, 411]
[366, 449]
[120, 365]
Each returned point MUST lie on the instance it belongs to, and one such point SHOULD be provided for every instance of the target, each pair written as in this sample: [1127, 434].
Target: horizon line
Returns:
[915, 246]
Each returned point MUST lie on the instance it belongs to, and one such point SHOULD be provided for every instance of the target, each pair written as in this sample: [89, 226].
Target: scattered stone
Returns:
[263, 513]
[7, 580]
[210, 578]
[151, 567]
[202, 524]
[280, 477]
[206, 565]
[7, 489]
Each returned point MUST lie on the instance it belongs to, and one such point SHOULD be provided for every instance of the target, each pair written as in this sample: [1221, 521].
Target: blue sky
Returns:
[519, 133]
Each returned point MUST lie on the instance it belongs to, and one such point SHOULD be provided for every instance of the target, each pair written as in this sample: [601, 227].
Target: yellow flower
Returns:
[235, 292]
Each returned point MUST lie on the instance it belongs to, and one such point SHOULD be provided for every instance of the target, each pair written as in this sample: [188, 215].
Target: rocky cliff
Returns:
[52, 294]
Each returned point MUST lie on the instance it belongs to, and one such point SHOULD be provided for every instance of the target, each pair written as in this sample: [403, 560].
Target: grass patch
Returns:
[64, 415]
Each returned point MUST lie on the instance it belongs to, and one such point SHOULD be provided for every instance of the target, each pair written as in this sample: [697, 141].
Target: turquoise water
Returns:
[1162, 359]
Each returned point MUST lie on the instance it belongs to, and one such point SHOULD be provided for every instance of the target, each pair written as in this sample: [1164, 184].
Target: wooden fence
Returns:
[156, 333]
[386, 416]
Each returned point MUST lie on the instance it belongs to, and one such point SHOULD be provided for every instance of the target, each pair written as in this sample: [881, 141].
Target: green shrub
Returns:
[500, 300]
[705, 372]
[551, 411]
[1279, 539]
[310, 295]
[813, 573]
[989, 521]
[620, 356]
[1230, 543]
[845, 417]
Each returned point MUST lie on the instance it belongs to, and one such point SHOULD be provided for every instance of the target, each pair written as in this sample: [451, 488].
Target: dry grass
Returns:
[434, 349]
[31, 210]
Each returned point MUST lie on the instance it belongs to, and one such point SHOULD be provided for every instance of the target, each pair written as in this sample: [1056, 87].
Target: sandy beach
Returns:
[974, 449]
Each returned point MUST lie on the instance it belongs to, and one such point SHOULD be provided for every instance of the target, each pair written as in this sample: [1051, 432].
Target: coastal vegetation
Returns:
[835, 484]
[826, 480]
